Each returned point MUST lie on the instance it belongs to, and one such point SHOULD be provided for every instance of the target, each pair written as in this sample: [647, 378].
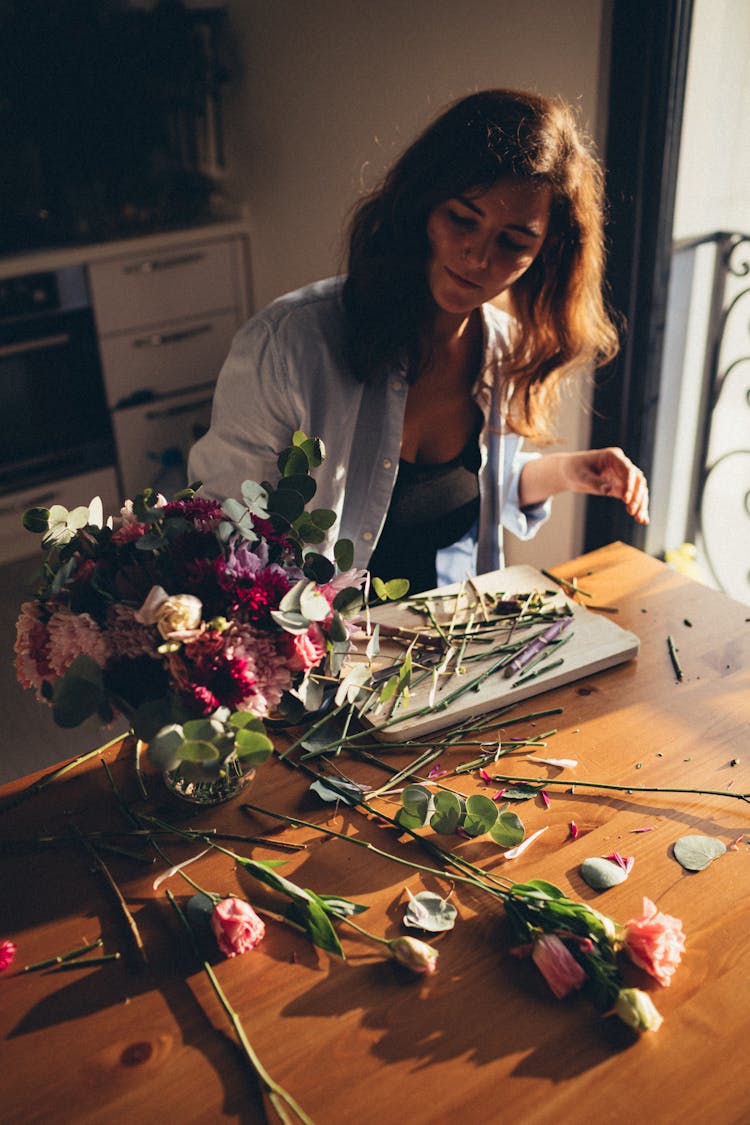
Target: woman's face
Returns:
[482, 242]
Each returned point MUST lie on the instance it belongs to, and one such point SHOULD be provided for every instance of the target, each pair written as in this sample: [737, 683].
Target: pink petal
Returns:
[545, 798]
[648, 828]
[436, 771]
[499, 795]
[735, 843]
[485, 776]
[625, 862]
[574, 830]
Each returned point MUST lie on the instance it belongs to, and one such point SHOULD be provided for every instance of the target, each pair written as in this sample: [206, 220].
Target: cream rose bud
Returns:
[178, 614]
[415, 954]
[637, 1010]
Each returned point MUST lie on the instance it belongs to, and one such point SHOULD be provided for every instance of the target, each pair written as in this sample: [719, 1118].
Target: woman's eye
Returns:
[463, 221]
[507, 243]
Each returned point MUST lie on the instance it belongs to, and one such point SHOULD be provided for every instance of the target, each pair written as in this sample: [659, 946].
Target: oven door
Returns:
[53, 414]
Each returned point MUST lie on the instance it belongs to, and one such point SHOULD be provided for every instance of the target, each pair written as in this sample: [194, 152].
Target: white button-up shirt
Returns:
[287, 371]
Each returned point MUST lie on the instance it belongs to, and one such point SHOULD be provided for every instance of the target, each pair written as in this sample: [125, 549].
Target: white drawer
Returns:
[169, 358]
[18, 543]
[143, 433]
[167, 284]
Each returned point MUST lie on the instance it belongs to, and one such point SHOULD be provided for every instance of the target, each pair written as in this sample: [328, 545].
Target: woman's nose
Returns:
[479, 251]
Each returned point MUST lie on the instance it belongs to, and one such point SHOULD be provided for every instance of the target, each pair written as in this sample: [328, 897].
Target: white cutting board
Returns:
[595, 643]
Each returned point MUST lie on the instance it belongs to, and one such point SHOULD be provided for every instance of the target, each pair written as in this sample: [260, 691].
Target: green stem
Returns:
[272, 1088]
[60, 771]
[70, 956]
[295, 821]
[574, 783]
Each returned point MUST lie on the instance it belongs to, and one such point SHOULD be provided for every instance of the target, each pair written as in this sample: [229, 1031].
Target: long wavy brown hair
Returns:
[562, 323]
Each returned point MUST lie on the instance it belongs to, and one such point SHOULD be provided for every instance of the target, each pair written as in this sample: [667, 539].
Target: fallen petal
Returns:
[647, 828]
[545, 798]
[574, 830]
[514, 853]
[485, 776]
[558, 763]
[178, 867]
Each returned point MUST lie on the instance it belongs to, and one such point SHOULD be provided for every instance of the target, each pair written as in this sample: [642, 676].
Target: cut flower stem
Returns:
[509, 779]
[276, 1093]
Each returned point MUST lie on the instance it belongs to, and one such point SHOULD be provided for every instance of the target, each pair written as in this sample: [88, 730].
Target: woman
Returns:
[420, 386]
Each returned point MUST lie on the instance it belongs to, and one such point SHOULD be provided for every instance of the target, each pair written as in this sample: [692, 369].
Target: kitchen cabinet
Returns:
[165, 318]
[165, 308]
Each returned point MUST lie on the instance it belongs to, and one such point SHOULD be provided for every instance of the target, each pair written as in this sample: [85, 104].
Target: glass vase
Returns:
[232, 779]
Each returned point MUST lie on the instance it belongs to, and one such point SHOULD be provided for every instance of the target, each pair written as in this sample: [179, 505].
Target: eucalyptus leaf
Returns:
[290, 622]
[324, 518]
[253, 747]
[448, 814]
[79, 693]
[164, 749]
[318, 568]
[428, 911]
[508, 830]
[36, 520]
[481, 814]
[418, 802]
[199, 752]
[313, 605]
[521, 792]
[293, 461]
[695, 853]
[601, 874]
[332, 791]
[287, 503]
[348, 601]
[304, 485]
[343, 553]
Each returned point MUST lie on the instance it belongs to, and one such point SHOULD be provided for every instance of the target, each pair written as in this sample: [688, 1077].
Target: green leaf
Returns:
[337, 629]
[245, 720]
[537, 888]
[521, 792]
[303, 484]
[313, 448]
[343, 553]
[508, 830]
[318, 568]
[253, 746]
[78, 694]
[695, 853]
[319, 927]
[165, 748]
[293, 462]
[417, 801]
[323, 518]
[428, 911]
[396, 588]
[36, 520]
[341, 907]
[203, 730]
[307, 531]
[481, 814]
[601, 874]
[449, 811]
[199, 752]
[337, 790]
[286, 503]
[313, 605]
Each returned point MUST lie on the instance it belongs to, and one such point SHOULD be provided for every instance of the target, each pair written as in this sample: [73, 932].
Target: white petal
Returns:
[521, 848]
[559, 763]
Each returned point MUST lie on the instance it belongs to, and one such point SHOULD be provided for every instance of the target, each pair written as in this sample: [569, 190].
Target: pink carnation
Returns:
[7, 953]
[72, 635]
[128, 637]
[306, 649]
[557, 965]
[655, 942]
[236, 926]
[32, 649]
[266, 656]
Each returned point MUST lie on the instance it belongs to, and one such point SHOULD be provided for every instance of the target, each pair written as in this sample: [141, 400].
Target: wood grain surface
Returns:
[360, 1040]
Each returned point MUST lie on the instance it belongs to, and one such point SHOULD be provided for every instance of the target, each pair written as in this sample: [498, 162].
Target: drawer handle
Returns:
[173, 411]
[159, 339]
[61, 340]
[42, 501]
[150, 265]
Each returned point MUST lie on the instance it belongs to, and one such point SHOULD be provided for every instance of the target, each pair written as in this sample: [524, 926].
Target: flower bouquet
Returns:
[194, 619]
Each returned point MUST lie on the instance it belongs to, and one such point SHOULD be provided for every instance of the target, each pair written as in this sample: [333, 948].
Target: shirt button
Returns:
[387, 462]
[367, 536]
[398, 385]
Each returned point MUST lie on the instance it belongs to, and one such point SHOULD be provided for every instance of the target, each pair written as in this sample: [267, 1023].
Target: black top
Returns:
[432, 506]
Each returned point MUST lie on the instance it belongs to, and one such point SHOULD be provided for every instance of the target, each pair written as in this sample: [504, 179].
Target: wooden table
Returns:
[360, 1040]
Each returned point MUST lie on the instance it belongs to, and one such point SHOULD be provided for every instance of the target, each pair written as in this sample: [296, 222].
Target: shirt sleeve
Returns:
[253, 415]
[523, 522]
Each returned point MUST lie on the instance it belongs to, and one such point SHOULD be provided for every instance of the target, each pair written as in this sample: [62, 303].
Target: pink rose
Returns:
[236, 926]
[307, 649]
[7, 953]
[414, 954]
[637, 1010]
[655, 941]
[557, 965]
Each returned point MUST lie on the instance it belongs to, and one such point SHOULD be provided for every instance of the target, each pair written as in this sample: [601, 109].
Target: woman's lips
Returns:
[462, 281]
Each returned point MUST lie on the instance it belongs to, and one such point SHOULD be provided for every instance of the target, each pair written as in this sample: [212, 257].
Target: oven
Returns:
[54, 419]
